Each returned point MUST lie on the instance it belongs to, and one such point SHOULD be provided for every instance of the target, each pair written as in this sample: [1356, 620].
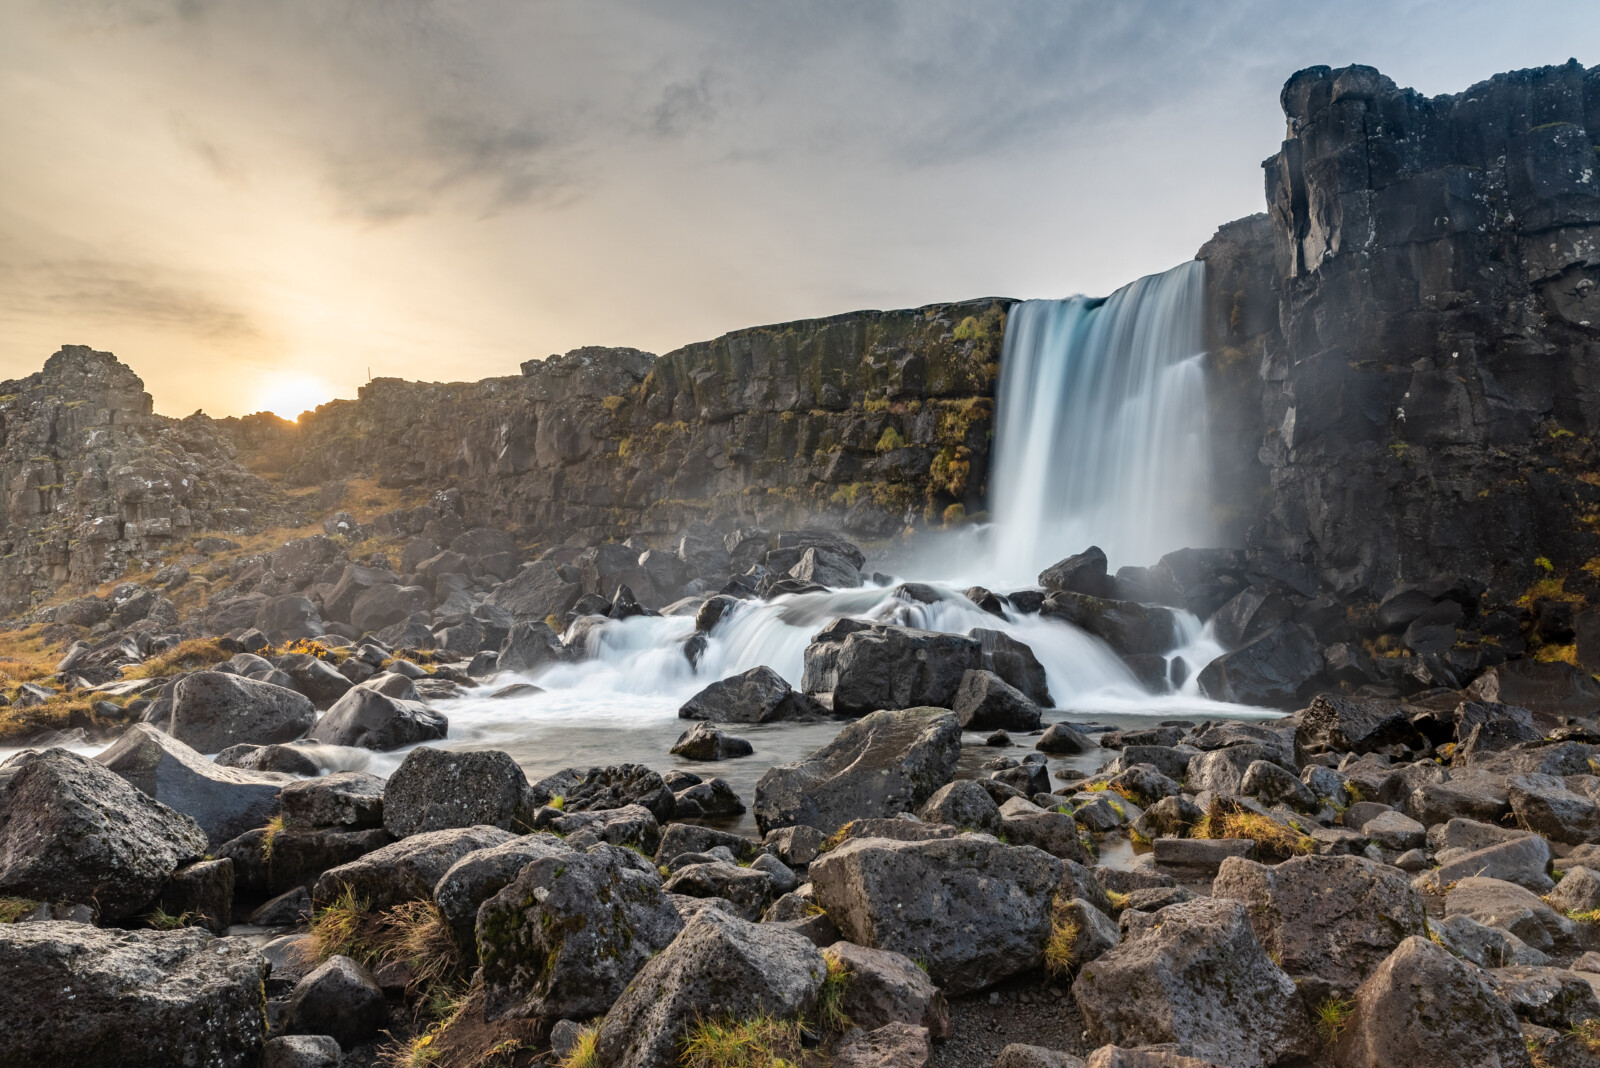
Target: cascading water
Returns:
[1100, 433]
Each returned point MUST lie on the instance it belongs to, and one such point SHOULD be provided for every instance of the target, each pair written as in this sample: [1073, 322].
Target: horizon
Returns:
[290, 199]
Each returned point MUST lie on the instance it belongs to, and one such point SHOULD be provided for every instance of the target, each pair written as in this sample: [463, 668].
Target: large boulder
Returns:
[1274, 670]
[1130, 628]
[211, 711]
[348, 800]
[819, 567]
[73, 830]
[530, 645]
[1497, 903]
[986, 702]
[317, 679]
[1355, 724]
[719, 967]
[964, 804]
[339, 998]
[759, 695]
[435, 790]
[1193, 974]
[883, 764]
[884, 987]
[1423, 1006]
[407, 870]
[480, 875]
[368, 719]
[564, 938]
[1328, 921]
[938, 901]
[1543, 803]
[1013, 661]
[72, 994]
[385, 604]
[539, 591]
[704, 741]
[353, 582]
[225, 802]
[748, 890]
[873, 666]
[1083, 572]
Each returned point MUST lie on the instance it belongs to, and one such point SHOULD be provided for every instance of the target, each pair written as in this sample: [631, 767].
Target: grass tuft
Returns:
[830, 1005]
[759, 1042]
[585, 1052]
[159, 919]
[1059, 957]
[1273, 840]
[13, 909]
[344, 929]
[191, 655]
[273, 828]
[1333, 1016]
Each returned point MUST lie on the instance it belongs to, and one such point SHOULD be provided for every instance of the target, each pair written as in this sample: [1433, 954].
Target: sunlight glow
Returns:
[287, 395]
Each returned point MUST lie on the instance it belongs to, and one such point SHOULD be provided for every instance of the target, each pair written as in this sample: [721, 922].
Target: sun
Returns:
[286, 396]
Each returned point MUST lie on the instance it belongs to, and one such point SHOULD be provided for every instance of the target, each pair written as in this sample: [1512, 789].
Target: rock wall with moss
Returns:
[870, 422]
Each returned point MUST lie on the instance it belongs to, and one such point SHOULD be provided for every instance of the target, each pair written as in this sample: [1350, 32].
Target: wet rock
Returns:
[1327, 921]
[819, 567]
[1083, 572]
[367, 719]
[406, 870]
[223, 801]
[72, 829]
[339, 999]
[350, 800]
[1061, 738]
[934, 901]
[718, 966]
[212, 711]
[885, 763]
[1274, 670]
[564, 938]
[1013, 661]
[868, 667]
[530, 646]
[133, 999]
[984, 701]
[1130, 628]
[1422, 1006]
[436, 789]
[759, 695]
[1195, 975]
[704, 742]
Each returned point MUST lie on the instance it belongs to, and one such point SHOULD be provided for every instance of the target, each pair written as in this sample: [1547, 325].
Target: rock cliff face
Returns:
[94, 482]
[1428, 385]
[870, 421]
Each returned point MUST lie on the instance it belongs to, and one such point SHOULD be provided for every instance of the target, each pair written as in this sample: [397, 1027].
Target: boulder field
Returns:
[1396, 863]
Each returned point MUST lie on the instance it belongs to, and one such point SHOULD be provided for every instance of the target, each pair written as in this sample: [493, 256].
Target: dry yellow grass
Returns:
[1273, 840]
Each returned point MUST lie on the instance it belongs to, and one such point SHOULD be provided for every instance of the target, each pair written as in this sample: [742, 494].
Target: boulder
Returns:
[1485, 946]
[819, 567]
[317, 679]
[1222, 771]
[211, 711]
[962, 804]
[1020, 1055]
[759, 695]
[288, 759]
[873, 666]
[884, 987]
[269, 862]
[1013, 661]
[73, 830]
[935, 901]
[1272, 785]
[340, 999]
[1542, 803]
[386, 604]
[348, 800]
[1578, 891]
[1549, 997]
[719, 966]
[1478, 797]
[1193, 974]
[885, 763]
[368, 719]
[704, 741]
[564, 938]
[353, 582]
[1274, 670]
[406, 870]
[630, 825]
[1355, 724]
[225, 802]
[480, 875]
[530, 645]
[288, 618]
[1093, 932]
[1130, 628]
[103, 998]
[204, 890]
[1083, 572]
[748, 890]
[614, 786]
[1423, 1006]
[894, 1045]
[1498, 903]
[537, 592]
[985, 702]
[1328, 921]
[1521, 860]
[1061, 739]
[436, 789]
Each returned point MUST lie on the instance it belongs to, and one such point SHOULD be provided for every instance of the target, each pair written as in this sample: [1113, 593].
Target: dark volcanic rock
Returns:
[73, 830]
[435, 790]
[212, 711]
[223, 801]
[885, 763]
[1128, 627]
[869, 666]
[759, 695]
[84, 996]
[1274, 670]
[372, 720]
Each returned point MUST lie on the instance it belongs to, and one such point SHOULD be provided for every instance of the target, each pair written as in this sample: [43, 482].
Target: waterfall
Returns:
[1100, 430]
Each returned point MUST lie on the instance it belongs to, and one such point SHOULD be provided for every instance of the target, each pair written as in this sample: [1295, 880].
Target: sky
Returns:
[259, 204]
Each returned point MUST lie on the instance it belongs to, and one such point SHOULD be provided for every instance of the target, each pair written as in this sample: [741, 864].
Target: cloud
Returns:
[96, 292]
